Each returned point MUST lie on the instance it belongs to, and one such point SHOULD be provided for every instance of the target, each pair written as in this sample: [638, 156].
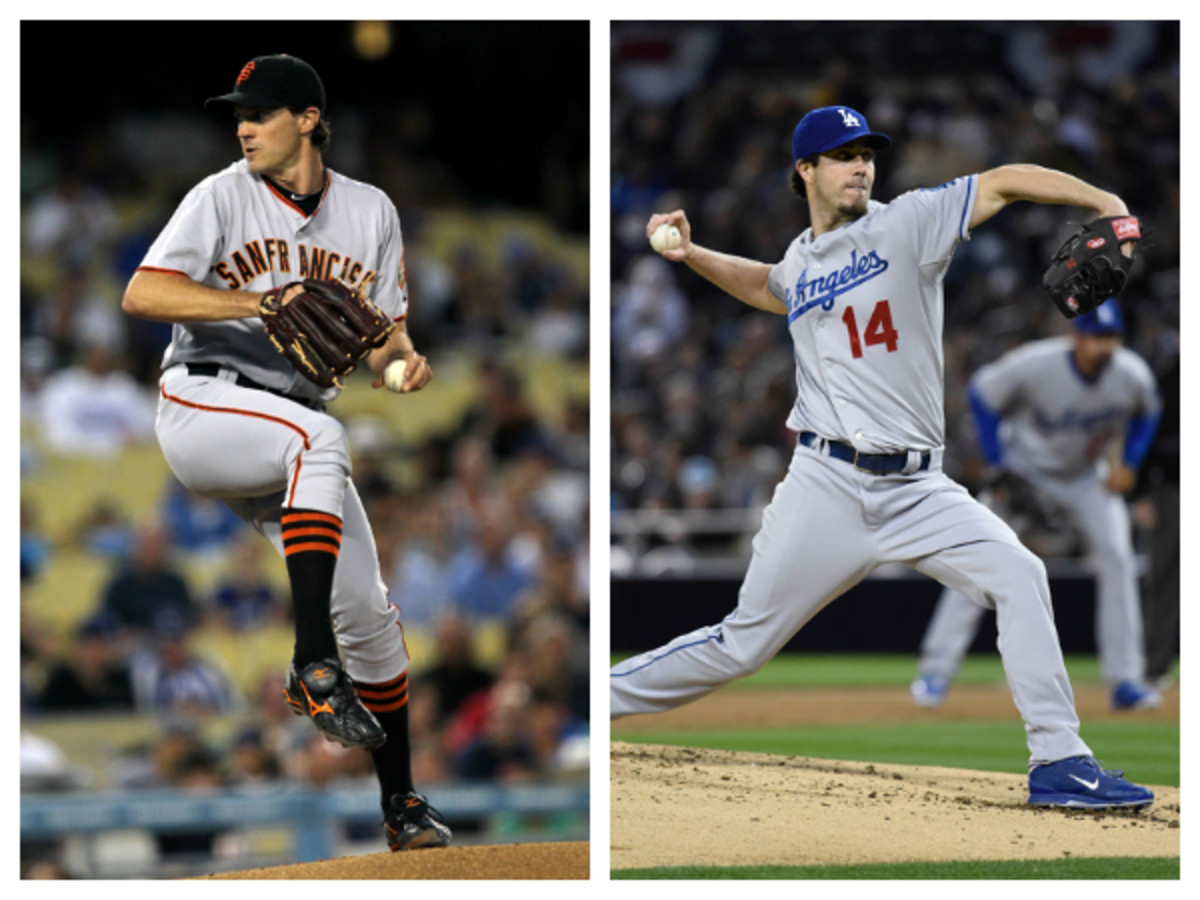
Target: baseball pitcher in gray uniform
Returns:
[237, 421]
[1047, 412]
[862, 293]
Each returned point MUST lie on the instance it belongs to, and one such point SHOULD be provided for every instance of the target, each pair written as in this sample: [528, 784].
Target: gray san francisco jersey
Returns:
[865, 312]
[1055, 421]
[236, 231]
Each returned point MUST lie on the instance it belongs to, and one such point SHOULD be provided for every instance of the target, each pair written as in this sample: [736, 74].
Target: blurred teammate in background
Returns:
[1046, 413]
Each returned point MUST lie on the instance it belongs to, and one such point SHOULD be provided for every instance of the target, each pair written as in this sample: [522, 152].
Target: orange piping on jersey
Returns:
[400, 625]
[254, 415]
[295, 478]
[239, 412]
[162, 271]
[287, 200]
[284, 199]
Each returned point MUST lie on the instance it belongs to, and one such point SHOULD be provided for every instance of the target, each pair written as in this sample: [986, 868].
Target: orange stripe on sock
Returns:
[388, 694]
[387, 707]
[290, 533]
[301, 548]
[291, 518]
[398, 681]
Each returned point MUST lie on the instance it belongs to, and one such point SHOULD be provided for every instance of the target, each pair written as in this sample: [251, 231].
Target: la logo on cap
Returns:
[849, 119]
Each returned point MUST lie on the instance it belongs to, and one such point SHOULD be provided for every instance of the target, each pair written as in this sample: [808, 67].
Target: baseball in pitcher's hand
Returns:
[680, 221]
[417, 373]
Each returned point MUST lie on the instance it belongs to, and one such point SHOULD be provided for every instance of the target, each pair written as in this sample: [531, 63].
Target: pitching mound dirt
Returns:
[675, 806]
[499, 862]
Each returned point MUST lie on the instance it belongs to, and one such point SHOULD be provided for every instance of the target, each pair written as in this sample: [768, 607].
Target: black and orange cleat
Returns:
[411, 823]
[325, 694]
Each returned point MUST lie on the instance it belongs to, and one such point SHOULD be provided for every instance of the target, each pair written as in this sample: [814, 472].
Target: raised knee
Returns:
[328, 445]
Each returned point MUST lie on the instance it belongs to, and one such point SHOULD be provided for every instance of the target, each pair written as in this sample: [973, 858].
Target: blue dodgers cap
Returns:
[1104, 319]
[829, 127]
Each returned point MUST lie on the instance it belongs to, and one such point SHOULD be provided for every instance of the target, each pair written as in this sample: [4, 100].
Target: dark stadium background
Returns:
[492, 88]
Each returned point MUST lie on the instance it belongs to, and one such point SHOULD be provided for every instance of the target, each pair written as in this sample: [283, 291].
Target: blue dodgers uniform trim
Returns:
[712, 637]
[987, 425]
[963, 224]
[1138, 438]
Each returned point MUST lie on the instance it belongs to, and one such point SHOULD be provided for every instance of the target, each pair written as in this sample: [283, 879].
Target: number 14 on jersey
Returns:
[879, 329]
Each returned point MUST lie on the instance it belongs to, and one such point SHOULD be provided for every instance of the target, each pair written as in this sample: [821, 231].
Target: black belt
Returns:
[875, 463]
[212, 370]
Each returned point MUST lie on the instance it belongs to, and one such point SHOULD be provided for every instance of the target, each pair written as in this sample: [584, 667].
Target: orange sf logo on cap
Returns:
[245, 73]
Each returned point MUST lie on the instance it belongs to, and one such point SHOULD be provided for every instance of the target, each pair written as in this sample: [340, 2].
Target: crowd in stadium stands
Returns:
[491, 531]
[702, 120]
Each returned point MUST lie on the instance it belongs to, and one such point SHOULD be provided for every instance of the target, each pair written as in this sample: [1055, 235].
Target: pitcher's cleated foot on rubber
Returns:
[1079, 783]
[325, 693]
[411, 824]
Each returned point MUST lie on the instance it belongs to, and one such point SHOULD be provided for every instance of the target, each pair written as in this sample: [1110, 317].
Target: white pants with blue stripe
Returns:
[827, 527]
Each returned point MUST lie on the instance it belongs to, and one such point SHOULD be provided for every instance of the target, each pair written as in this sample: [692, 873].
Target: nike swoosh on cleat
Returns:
[1090, 785]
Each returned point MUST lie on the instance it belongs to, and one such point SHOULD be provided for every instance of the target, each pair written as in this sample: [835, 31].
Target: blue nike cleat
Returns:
[929, 690]
[1131, 695]
[1080, 783]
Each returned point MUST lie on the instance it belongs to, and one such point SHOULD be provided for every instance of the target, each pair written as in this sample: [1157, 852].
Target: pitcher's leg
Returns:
[811, 548]
[949, 635]
[367, 624]
[1012, 578]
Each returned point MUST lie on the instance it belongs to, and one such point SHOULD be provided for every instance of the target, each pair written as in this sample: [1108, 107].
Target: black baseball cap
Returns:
[269, 82]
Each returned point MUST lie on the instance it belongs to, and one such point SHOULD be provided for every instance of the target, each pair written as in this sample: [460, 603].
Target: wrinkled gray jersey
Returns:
[1055, 421]
[865, 314]
[236, 231]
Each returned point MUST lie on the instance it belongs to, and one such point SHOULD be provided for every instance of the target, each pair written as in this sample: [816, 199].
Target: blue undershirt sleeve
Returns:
[987, 424]
[1138, 438]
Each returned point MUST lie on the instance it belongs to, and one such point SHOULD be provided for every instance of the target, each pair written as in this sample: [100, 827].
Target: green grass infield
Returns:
[1147, 749]
[1107, 869]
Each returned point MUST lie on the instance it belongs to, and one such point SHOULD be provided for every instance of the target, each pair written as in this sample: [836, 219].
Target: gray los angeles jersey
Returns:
[865, 314]
[1055, 421]
[234, 230]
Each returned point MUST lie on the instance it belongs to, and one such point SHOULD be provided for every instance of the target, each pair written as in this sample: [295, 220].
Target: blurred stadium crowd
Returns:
[479, 506]
[702, 120]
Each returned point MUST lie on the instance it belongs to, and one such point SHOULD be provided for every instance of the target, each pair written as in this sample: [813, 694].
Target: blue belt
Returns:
[875, 463]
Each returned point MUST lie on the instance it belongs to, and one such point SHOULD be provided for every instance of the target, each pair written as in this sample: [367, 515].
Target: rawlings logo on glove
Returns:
[1089, 267]
[325, 330]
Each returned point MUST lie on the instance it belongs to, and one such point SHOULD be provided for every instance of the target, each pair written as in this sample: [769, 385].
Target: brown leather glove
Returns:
[325, 330]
